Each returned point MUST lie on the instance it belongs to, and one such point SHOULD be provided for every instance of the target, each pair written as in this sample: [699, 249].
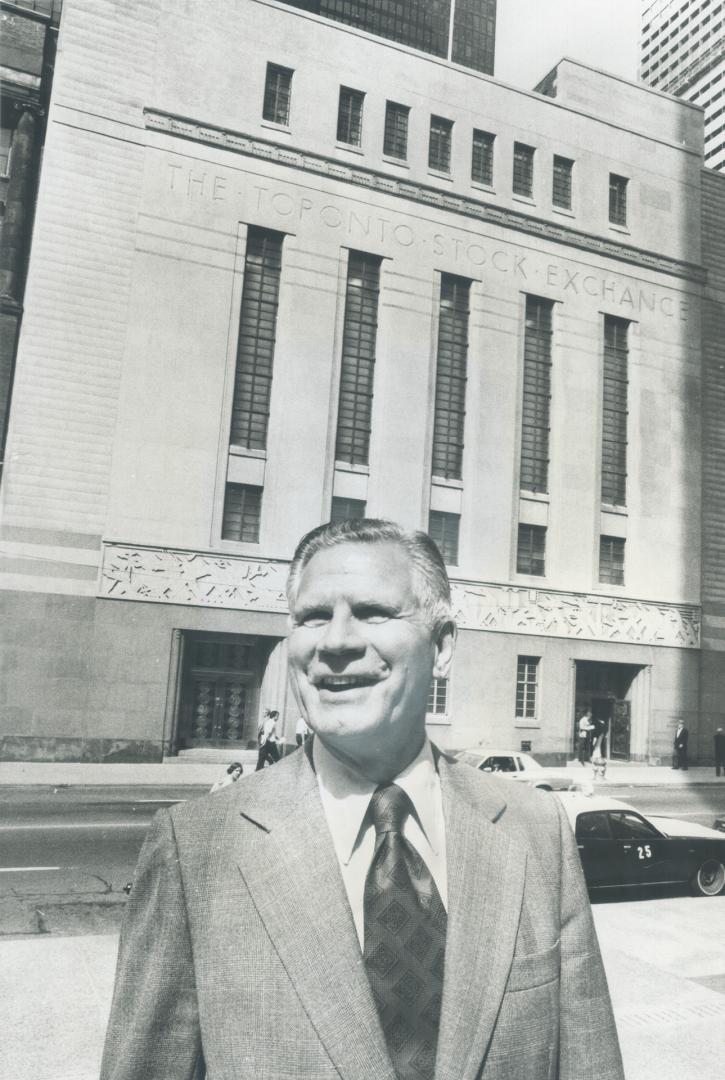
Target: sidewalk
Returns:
[203, 774]
[669, 999]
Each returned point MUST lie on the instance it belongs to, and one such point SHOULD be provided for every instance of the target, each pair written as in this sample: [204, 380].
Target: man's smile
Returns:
[337, 684]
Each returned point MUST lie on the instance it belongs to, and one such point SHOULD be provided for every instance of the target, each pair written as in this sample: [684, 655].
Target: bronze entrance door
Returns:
[620, 727]
[219, 691]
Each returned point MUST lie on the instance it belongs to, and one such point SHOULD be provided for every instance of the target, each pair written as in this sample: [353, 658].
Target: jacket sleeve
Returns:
[153, 1032]
[588, 1046]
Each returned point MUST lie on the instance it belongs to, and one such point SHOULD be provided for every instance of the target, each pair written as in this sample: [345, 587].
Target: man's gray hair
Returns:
[432, 588]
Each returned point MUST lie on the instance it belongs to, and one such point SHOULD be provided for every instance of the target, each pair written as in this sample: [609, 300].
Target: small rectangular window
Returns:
[242, 510]
[561, 186]
[531, 551]
[482, 157]
[438, 697]
[611, 560]
[346, 509]
[439, 145]
[618, 199]
[527, 671]
[523, 170]
[277, 94]
[395, 141]
[349, 116]
[6, 142]
[443, 530]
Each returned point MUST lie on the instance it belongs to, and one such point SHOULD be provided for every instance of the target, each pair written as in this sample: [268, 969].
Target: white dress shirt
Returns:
[345, 799]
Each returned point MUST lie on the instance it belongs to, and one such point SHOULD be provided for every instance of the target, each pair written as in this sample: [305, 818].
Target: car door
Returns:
[645, 853]
[601, 856]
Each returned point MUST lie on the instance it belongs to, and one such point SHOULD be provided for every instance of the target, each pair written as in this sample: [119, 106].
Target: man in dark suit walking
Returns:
[679, 757]
[367, 909]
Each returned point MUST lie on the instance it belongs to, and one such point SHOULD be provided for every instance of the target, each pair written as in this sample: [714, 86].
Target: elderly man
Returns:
[367, 909]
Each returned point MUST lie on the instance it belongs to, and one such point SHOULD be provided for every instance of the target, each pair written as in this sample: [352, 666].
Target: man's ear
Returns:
[445, 646]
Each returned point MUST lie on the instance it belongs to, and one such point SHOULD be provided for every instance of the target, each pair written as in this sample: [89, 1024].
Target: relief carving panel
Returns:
[169, 576]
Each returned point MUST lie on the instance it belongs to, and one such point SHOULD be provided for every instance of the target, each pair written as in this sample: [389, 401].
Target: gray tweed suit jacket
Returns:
[239, 958]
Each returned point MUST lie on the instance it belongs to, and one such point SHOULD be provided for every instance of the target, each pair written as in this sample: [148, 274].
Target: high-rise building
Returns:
[463, 31]
[683, 53]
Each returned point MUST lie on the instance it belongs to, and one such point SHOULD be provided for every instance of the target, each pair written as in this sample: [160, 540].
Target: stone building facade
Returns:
[284, 270]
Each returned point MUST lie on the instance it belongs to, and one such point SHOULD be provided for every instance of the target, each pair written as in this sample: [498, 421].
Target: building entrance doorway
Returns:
[219, 692]
[606, 690]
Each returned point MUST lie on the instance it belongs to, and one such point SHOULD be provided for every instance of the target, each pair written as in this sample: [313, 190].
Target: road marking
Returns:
[30, 869]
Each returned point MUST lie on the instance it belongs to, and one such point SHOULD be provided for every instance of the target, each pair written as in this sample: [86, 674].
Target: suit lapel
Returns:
[485, 892]
[288, 863]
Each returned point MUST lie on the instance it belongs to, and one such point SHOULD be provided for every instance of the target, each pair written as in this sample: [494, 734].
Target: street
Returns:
[66, 853]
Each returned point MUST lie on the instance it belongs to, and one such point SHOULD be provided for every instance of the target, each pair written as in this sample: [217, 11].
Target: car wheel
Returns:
[709, 879]
[544, 787]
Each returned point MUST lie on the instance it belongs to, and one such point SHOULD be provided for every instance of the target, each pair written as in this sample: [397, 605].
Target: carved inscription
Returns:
[169, 576]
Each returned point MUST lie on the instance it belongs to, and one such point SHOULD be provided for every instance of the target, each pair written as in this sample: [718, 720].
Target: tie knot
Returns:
[389, 808]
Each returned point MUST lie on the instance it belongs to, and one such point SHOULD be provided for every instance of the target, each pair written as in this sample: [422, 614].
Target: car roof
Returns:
[576, 802]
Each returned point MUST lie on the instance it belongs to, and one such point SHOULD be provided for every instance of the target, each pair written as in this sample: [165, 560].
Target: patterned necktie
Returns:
[405, 940]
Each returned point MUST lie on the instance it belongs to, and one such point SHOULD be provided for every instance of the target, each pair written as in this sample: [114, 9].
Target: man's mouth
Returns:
[337, 684]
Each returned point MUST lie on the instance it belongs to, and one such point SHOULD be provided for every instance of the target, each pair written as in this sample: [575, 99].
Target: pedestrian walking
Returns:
[719, 741]
[679, 757]
[269, 740]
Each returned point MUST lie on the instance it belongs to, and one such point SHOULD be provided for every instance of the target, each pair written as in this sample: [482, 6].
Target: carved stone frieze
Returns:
[254, 146]
[168, 576]
[205, 579]
[513, 609]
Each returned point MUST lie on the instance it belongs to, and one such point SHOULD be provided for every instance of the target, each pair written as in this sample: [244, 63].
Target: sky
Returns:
[533, 35]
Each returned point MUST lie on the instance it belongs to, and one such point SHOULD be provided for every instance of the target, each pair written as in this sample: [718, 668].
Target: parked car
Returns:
[515, 765]
[621, 847]
[719, 824]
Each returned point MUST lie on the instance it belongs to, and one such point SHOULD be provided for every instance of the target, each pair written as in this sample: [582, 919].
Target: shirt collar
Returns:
[346, 796]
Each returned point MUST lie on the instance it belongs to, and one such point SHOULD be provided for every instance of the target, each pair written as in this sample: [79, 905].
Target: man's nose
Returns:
[342, 634]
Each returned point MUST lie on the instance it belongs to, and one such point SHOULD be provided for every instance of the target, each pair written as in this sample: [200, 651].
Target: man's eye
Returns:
[372, 614]
[314, 618]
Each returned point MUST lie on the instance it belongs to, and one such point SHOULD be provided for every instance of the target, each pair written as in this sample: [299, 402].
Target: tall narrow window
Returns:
[443, 530]
[277, 93]
[257, 328]
[527, 677]
[611, 560]
[358, 358]
[531, 551]
[346, 509]
[536, 395]
[395, 141]
[349, 116]
[482, 157]
[439, 145]
[242, 511]
[561, 183]
[618, 199]
[438, 697]
[614, 412]
[450, 396]
[523, 170]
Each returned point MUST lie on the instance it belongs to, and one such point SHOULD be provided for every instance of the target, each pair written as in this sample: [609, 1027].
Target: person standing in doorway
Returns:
[584, 737]
[301, 731]
[719, 741]
[269, 740]
[679, 758]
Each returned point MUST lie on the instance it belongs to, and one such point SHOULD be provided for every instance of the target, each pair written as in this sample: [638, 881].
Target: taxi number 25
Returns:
[644, 851]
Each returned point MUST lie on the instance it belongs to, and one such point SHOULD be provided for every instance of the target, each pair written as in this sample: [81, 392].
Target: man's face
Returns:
[361, 655]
